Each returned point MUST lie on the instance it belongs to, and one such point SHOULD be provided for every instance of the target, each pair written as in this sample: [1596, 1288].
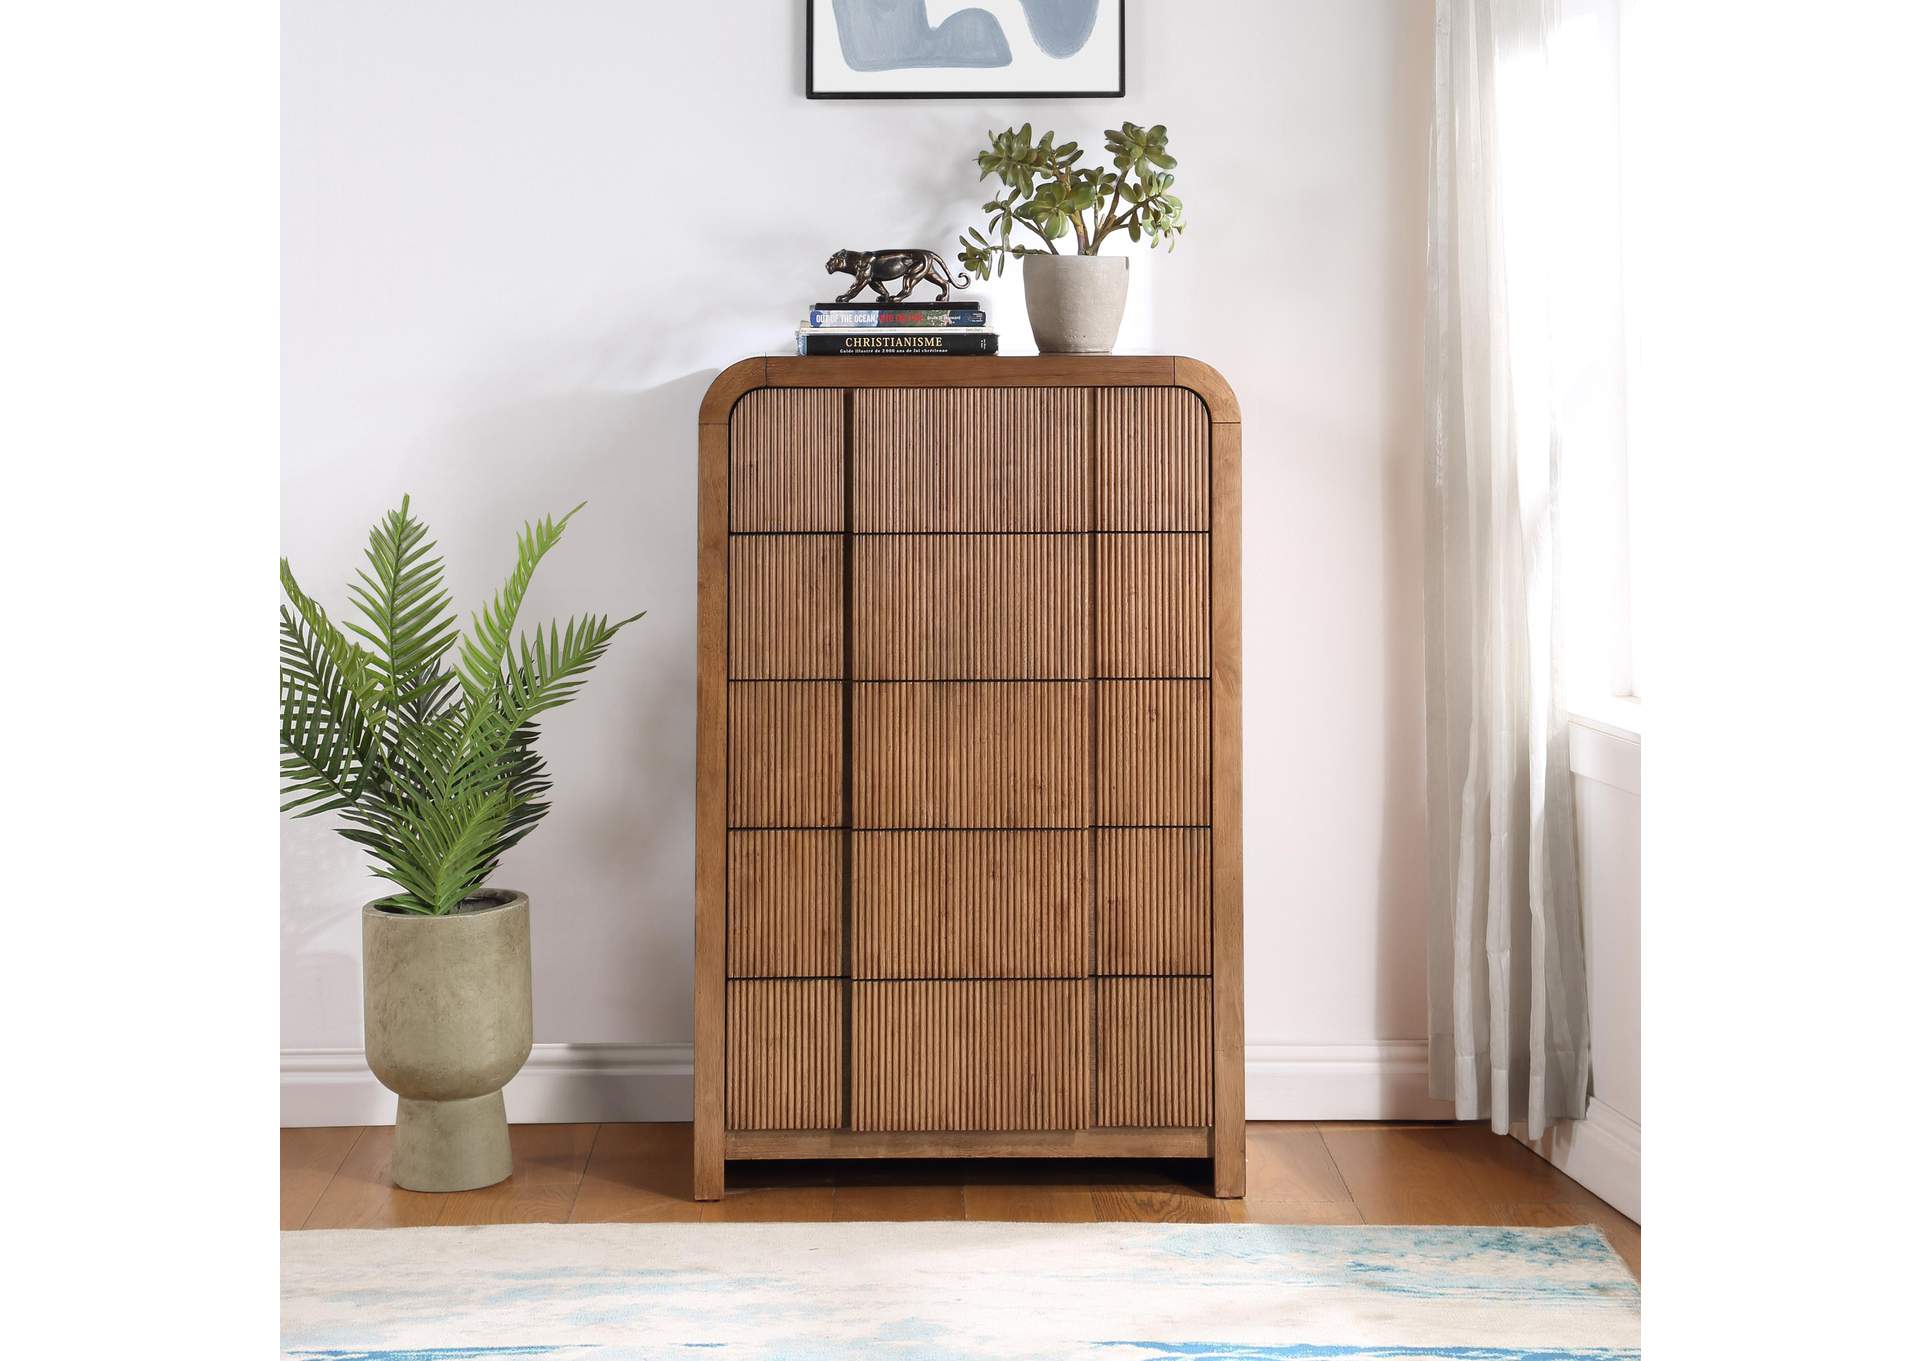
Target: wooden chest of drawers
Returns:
[968, 873]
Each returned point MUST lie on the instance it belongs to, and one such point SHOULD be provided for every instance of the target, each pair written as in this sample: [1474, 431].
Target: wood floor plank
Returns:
[1323, 1173]
[548, 1163]
[1506, 1171]
[1622, 1232]
[1405, 1176]
[638, 1173]
[308, 1160]
[899, 1202]
[362, 1194]
[1016, 1202]
[1301, 1211]
[769, 1205]
[1290, 1162]
[1146, 1205]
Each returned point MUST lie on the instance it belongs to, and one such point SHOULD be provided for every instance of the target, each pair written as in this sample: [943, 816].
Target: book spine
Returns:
[821, 316]
[882, 343]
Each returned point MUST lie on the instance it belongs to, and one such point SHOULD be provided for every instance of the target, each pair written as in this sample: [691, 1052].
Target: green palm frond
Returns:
[491, 641]
[438, 850]
[432, 769]
[405, 606]
[527, 786]
[325, 739]
[553, 664]
[353, 663]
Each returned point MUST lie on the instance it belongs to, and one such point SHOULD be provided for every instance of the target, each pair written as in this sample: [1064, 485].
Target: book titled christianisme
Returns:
[896, 340]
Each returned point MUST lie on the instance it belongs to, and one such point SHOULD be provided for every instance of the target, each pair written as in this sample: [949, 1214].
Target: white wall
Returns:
[520, 239]
[1602, 1152]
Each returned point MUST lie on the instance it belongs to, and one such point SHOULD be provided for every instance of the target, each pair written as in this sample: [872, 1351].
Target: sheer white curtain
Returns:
[1524, 540]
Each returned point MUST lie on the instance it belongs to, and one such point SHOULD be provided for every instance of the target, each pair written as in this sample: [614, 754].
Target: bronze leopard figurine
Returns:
[872, 268]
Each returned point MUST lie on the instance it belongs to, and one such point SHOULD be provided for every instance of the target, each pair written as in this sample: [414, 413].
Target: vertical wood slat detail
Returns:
[970, 1055]
[1154, 739]
[783, 904]
[970, 904]
[1156, 890]
[970, 754]
[1152, 459]
[783, 754]
[970, 607]
[787, 460]
[1155, 1049]
[783, 1054]
[1152, 607]
[784, 607]
[970, 459]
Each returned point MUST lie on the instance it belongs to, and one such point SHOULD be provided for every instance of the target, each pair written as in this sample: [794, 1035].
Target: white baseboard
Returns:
[1383, 1080]
[561, 1084]
[1601, 1152]
[586, 1083]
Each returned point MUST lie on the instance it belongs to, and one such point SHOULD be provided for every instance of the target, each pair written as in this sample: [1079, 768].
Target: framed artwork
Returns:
[966, 49]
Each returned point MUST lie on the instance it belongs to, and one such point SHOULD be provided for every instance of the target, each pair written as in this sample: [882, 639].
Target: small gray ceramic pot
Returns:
[1075, 302]
[449, 1011]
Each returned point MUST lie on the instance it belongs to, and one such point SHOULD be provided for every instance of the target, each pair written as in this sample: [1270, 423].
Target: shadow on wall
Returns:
[320, 932]
[1403, 832]
[613, 863]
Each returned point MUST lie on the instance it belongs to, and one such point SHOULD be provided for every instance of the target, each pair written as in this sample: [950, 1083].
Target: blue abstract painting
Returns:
[917, 49]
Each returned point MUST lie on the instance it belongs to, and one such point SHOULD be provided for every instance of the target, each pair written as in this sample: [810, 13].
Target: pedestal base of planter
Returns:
[451, 1145]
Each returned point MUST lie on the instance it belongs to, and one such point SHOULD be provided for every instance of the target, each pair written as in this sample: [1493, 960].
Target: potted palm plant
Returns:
[1074, 301]
[421, 740]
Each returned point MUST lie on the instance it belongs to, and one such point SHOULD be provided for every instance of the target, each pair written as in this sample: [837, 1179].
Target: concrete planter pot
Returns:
[1075, 302]
[449, 1012]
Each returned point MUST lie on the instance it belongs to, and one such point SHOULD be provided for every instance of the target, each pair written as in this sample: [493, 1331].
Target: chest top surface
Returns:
[1047, 370]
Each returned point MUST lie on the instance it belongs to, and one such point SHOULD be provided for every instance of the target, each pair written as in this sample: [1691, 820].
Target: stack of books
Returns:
[957, 327]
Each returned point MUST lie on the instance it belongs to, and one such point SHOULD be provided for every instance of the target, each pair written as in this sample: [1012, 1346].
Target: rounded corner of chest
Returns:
[729, 386]
[1213, 390]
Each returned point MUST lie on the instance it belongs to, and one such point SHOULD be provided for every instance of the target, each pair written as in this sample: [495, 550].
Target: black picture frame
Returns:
[1119, 92]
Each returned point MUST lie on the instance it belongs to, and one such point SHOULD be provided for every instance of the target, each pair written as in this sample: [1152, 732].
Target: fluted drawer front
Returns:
[1152, 459]
[1154, 740]
[785, 606]
[970, 754]
[970, 1056]
[784, 1054]
[784, 747]
[1155, 900]
[970, 459]
[1152, 604]
[970, 904]
[784, 904]
[937, 607]
[1156, 1051]
[787, 458]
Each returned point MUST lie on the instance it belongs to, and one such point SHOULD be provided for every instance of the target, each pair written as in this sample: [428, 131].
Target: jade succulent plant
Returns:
[1049, 193]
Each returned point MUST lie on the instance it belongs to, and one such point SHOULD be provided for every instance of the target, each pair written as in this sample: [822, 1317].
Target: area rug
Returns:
[943, 1292]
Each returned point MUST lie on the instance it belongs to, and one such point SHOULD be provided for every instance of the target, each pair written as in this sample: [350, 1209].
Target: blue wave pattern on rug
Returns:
[1187, 1352]
[957, 1292]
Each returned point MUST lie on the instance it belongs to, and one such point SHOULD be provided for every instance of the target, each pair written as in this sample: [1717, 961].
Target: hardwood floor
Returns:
[1332, 1173]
